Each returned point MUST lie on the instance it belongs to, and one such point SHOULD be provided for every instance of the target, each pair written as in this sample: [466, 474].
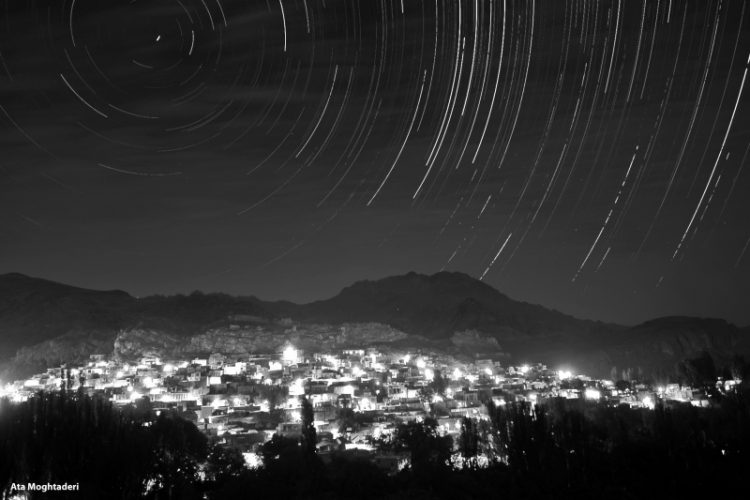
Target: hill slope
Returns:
[436, 306]
[45, 322]
[34, 310]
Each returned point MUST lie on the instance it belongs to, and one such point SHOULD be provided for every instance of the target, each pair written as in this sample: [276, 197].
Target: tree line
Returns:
[560, 449]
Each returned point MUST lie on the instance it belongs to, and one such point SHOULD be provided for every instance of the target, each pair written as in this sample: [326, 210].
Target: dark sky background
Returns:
[589, 156]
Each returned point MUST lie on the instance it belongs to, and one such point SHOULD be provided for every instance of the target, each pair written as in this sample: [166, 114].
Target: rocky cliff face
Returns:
[664, 342]
[473, 341]
[72, 347]
[136, 342]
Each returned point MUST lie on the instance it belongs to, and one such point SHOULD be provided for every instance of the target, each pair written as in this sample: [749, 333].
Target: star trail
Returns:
[585, 155]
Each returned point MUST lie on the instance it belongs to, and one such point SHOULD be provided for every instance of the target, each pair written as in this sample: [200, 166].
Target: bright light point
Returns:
[592, 393]
[407, 358]
[290, 354]
[357, 371]
[297, 388]
[429, 374]
[488, 372]
[158, 38]
[564, 374]
[524, 369]
[253, 460]
[456, 373]
[421, 363]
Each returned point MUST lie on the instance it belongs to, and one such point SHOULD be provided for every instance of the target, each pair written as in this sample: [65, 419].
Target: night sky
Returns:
[589, 156]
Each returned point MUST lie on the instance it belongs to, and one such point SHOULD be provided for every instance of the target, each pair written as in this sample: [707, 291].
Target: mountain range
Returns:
[44, 323]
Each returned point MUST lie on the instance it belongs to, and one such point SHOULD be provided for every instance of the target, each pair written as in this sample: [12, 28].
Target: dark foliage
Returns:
[428, 449]
[697, 372]
[562, 449]
[111, 453]
[309, 435]
[224, 464]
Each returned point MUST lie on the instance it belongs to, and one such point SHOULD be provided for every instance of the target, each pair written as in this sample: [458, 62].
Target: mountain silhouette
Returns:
[436, 306]
[34, 311]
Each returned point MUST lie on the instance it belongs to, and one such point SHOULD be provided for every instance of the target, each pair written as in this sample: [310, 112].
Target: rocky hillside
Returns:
[136, 342]
[34, 310]
[664, 342]
[43, 323]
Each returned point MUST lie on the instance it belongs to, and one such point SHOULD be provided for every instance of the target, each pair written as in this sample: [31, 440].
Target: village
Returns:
[358, 396]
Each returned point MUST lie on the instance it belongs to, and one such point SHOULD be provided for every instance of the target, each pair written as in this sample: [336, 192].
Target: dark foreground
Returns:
[559, 450]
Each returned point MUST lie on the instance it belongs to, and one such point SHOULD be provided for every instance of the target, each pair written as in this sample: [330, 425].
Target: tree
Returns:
[224, 463]
[698, 372]
[438, 383]
[739, 368]
[426, 393]
[274, 394]
[293, 471]
[279, 448]
[469, 440]
[111, 452]
[622, 385]
[309, 436]
[180, 448]
[427, 447]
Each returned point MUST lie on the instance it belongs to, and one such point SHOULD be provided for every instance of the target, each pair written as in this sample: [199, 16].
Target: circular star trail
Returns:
[586, 155]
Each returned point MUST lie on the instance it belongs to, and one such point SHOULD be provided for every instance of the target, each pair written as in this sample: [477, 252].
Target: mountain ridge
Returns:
[436, 306]
[36, 312]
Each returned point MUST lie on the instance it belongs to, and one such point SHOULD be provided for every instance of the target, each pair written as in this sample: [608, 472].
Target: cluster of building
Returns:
[359, 396]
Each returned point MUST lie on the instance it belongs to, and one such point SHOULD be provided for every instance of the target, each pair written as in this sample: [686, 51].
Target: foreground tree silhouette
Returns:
[563, 449]
[224, 464]
[697, 372]
[179, 449]
[73, 438]
[429, 450]
[291, 466]
[309, 435]
[469, 438]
